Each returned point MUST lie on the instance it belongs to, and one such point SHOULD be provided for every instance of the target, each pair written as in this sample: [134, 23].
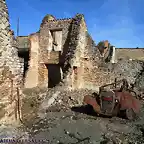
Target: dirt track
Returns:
[76, 128]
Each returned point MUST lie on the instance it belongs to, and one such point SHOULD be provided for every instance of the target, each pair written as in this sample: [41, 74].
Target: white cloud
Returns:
[118, 26]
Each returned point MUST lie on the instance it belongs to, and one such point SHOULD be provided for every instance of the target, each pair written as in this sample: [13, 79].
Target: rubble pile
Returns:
[132, 71]
[139, 83]
[128, 69]
[60, 98]
[11, 133]
[63, 98]
[68, 99]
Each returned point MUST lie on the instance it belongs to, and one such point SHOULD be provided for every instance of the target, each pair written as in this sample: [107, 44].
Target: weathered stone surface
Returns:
[75, 46]
[10, 67]
[130, 53]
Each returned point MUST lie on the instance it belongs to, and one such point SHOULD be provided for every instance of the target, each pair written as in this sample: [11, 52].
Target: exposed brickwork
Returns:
[81, 61]
[78, 48]
[70, 56]
[46, 56]
[10, 67]
[44, 33]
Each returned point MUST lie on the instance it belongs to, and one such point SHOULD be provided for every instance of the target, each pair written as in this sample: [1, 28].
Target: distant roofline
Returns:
[60, 19]
[130, 48]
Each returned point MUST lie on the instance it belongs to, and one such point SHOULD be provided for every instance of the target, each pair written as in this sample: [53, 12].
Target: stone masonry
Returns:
[73, 45]
[10, 70]
[63, 51]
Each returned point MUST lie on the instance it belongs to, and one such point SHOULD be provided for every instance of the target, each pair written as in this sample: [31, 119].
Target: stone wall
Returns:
[130, 53]
[79, 58]
[98, 73]
[78, 50]
[45, 28]
[10, 69]
[105, 73]
[48, 24]
[73, 66]
[74, 35]
[95, 77]
[31, 79]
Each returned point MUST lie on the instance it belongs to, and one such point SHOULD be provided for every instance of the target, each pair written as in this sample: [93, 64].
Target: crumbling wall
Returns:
[105, 73]
[98, 72]
[46, 26]
[91, 61]
[31, 79]
[95, 77]
[73, 67]
[10, 69]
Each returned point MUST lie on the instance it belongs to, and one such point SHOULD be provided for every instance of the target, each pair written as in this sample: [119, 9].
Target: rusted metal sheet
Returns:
[114, 102]
[127, 101]
[92, 101]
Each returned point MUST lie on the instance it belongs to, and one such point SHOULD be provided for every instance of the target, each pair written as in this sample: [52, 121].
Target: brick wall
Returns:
[31, 79]
[44, 33]
[76, 47]
[104, 73]
[10, 68]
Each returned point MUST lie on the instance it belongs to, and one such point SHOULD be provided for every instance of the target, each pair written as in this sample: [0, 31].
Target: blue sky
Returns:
[119, 21]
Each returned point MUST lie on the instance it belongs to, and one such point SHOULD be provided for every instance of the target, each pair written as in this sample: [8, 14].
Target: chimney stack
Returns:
[106, 43]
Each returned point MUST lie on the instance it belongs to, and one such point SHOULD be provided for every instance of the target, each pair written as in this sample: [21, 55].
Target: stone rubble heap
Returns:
[69, 98]
[128, 69]
[132, 71]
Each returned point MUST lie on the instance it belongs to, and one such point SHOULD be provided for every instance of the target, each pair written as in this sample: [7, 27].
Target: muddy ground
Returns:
[61, 125]
[71, 127]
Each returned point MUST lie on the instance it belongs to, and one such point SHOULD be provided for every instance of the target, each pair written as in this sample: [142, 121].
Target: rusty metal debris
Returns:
[118, 101]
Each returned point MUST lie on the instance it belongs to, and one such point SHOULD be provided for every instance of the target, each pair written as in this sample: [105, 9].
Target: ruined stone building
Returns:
[62, 49]
[57, 51]
[121, 53]
[11, 69]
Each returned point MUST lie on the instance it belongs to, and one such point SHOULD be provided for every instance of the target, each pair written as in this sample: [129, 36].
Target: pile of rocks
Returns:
[68, 99]
[60, 97]
[128, 69]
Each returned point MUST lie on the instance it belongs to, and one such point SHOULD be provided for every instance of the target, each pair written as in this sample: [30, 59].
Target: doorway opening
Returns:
[54, 75]
[25, 56]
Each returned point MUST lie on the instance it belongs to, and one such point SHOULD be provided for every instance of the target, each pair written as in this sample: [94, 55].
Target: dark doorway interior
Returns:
[54, 75]
[24, 54]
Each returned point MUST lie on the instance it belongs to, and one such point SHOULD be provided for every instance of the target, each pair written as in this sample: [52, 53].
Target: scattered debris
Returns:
[115, 102]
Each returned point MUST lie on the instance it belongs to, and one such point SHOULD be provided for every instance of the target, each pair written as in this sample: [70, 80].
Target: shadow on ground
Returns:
[88, 109]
